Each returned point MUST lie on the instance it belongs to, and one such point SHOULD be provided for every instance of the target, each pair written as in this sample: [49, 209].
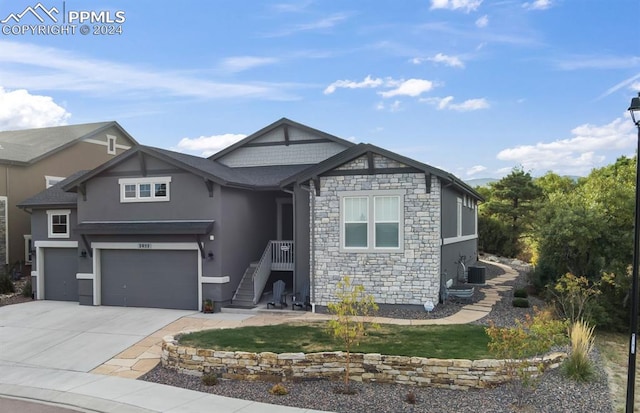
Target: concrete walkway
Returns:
[109, 388]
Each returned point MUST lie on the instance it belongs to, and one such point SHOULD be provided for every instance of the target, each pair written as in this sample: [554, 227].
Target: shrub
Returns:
[573, 295]
[279, 390]
[209, 379]
[578, 366]
[533, 336]
[411, 398]
[521, 293]
[520, 303]
[6, 286]
[27, 289]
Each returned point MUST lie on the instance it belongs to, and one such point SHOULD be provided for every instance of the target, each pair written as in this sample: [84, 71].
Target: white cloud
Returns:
[635, 86]
[21, 110]
[368, 82]
[598, 62]
[208, 145]
[483, 21]
[466, 106]
[321, 24]
[395, 106]
[627, 82]
[410, 87]
[34, 67]
[398, 87]
[576, 155]
[476, 169]
[452, 61]
[240, 63]
[465, 5]
[537, 5]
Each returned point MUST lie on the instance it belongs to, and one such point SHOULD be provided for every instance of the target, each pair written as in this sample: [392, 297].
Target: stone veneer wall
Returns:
[441, 373]
[410, 276]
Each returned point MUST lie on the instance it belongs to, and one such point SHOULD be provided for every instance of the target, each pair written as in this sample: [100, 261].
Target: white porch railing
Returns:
[282, 255]
[277, 256]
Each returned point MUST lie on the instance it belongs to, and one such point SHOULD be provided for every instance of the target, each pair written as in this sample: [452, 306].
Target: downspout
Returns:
[312, 246]
[293, 198]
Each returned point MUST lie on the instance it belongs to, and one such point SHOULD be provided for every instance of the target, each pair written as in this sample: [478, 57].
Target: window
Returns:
[58, 223]
[372, 221]
[50, 181]
[151, 189]
[28, 246]
[387, 221]
[111, 145]
[356, 218]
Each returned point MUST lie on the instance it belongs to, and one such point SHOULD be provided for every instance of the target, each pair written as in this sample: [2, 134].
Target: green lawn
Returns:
[451, 341]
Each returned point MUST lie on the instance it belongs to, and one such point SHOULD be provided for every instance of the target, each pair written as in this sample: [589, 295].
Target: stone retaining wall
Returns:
[240, 365]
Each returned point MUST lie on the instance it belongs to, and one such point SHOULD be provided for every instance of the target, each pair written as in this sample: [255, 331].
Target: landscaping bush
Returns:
[26, 289]
[578, 366]
[411, 398]
[520, 303]
[279, 390]
[532, 337]
[6, 286]
[520, 293]
[209, 379]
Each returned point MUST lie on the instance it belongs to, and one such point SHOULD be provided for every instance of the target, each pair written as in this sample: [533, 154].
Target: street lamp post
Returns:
[634, 110]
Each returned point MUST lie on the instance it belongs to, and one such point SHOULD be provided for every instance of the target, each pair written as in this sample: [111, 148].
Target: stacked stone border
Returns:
[442, 373]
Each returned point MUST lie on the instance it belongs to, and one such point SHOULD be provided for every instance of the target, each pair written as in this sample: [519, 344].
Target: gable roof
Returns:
[275, 125]
[28, 146]
[363, 149]
[262, 178]
[53, 196]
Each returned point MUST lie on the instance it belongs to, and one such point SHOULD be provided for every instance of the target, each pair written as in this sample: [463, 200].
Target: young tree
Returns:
[349, 325]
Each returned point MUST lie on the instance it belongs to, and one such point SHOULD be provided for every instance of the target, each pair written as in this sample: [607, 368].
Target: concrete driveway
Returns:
[67, 336]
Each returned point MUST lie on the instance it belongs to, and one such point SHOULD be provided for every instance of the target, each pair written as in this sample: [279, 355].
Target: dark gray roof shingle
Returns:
[28, 145]
[53, 196]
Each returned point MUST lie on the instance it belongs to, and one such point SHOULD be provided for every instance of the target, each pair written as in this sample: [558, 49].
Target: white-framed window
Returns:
[371, 221]
[58, 223]
[459, 218]
[149, 189]
[28, 246]
[387, 221]
[50, 181]
[111, 144]
[356, 222]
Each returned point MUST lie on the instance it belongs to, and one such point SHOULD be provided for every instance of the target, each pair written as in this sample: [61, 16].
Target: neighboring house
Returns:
[156, 228]
[34, 159]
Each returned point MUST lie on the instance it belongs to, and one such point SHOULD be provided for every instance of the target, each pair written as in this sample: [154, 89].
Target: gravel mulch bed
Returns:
[16, 297]
[553, 394]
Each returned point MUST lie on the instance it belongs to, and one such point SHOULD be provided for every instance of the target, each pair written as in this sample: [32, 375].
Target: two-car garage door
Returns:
[153, 278]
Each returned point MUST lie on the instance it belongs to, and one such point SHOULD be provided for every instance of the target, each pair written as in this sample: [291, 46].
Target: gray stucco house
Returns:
[156, 228]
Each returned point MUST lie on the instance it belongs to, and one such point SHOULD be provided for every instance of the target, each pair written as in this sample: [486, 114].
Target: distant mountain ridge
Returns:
[486, 181]
[480, 181]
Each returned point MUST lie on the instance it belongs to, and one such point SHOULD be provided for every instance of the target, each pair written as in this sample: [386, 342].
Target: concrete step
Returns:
[238, 310]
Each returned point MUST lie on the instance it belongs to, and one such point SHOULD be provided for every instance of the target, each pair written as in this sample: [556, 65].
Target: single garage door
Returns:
[60, 267]
[158, 279]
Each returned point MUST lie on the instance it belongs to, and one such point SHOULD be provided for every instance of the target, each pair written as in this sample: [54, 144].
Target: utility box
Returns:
[477, 275]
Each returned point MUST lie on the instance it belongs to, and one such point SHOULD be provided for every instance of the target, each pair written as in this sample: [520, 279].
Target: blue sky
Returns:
[475, 87]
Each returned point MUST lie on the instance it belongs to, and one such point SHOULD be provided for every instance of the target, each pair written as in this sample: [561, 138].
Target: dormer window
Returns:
[149, 189]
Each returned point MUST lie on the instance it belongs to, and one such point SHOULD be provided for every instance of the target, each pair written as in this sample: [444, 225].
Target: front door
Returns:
[285, 219]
